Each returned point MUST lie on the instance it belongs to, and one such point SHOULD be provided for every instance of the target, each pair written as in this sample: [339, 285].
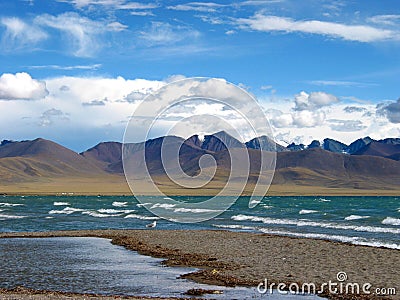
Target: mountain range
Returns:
[365, 164]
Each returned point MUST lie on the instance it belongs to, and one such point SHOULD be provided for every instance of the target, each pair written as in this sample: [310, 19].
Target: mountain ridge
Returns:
[375, 165]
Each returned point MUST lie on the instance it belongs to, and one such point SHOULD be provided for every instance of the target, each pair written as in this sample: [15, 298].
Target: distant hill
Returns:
[40, 158]
[364, 164]
[377, 148]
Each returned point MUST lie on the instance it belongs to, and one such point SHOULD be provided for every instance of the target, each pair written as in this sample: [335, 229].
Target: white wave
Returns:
[119, 204]
[142, 204]
[1, 210]
[268, 206]
[4, 204]
[340, 238]
[11, 217]
[168, 198]
[98, 215]
[115, 211]
[194, 210]
[66, 211]
[314, 224]
[355, 217]
[324, 200]
[307, 211]
[163, 205]
[135, 216]
[254, 202]
[49, 217]
[391, 221]
[61, 204]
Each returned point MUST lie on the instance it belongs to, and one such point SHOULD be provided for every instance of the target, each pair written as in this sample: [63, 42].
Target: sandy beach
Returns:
[235, 258]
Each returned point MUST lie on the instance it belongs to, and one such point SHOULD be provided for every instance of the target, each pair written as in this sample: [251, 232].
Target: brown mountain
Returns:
[44, 161]
[379, 149]
[322, 168]
[40, 159]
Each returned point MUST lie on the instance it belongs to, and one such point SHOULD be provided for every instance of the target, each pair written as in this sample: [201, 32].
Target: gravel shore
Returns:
[238, 258]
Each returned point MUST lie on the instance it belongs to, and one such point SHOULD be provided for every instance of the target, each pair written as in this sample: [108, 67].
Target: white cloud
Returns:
[160, 33]
[359, 33]
[347, 125]
[391, 110]
[389, 20]
[198, 6]
[82, 32]
[19, 34]
[339, 83]
[143, 13]
[116, 26]
[306, 118]
[50, 116]
[21, 86]
[68, 68]
[314, 100]
[113, 4]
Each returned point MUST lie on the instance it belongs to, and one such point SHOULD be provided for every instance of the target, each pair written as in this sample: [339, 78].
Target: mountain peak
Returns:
[220, 141]
[265, 143]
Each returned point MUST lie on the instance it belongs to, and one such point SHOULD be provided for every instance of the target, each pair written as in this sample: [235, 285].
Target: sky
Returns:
[74, 71]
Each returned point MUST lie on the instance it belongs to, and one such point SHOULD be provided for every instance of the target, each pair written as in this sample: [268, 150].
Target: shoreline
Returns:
[339, 193]
[240, 258]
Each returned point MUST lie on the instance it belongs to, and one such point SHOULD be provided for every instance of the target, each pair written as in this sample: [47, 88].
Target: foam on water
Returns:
[340, 238]
[61, 204]
[194, 210]
[99, 215]
[163, 205]
[67, 211]
[391, 221]
[115, 211]
[300, 223]
[267, 206]
[307, 211]
[135, 216]
[142, 204]
[324, 200]
[119, 204]
[5, 204]
[355, 217]
[11, 217]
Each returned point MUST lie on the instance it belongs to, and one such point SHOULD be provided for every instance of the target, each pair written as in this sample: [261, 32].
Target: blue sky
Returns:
[330, 55]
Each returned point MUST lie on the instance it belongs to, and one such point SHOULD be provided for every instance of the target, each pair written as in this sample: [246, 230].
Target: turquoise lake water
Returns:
[371, 221]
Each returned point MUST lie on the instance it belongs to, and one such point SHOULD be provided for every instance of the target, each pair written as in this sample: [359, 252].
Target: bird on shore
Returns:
[152, 225]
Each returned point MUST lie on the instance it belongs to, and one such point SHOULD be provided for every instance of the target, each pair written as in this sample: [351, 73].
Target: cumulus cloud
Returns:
[159, 33]
[21, 86]
[314, 100]
[359, 33]
[347, 125]
[95, 103]
[391, 110]
[308, 118]
[49, 116]
[352, 109]
[19, 34]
